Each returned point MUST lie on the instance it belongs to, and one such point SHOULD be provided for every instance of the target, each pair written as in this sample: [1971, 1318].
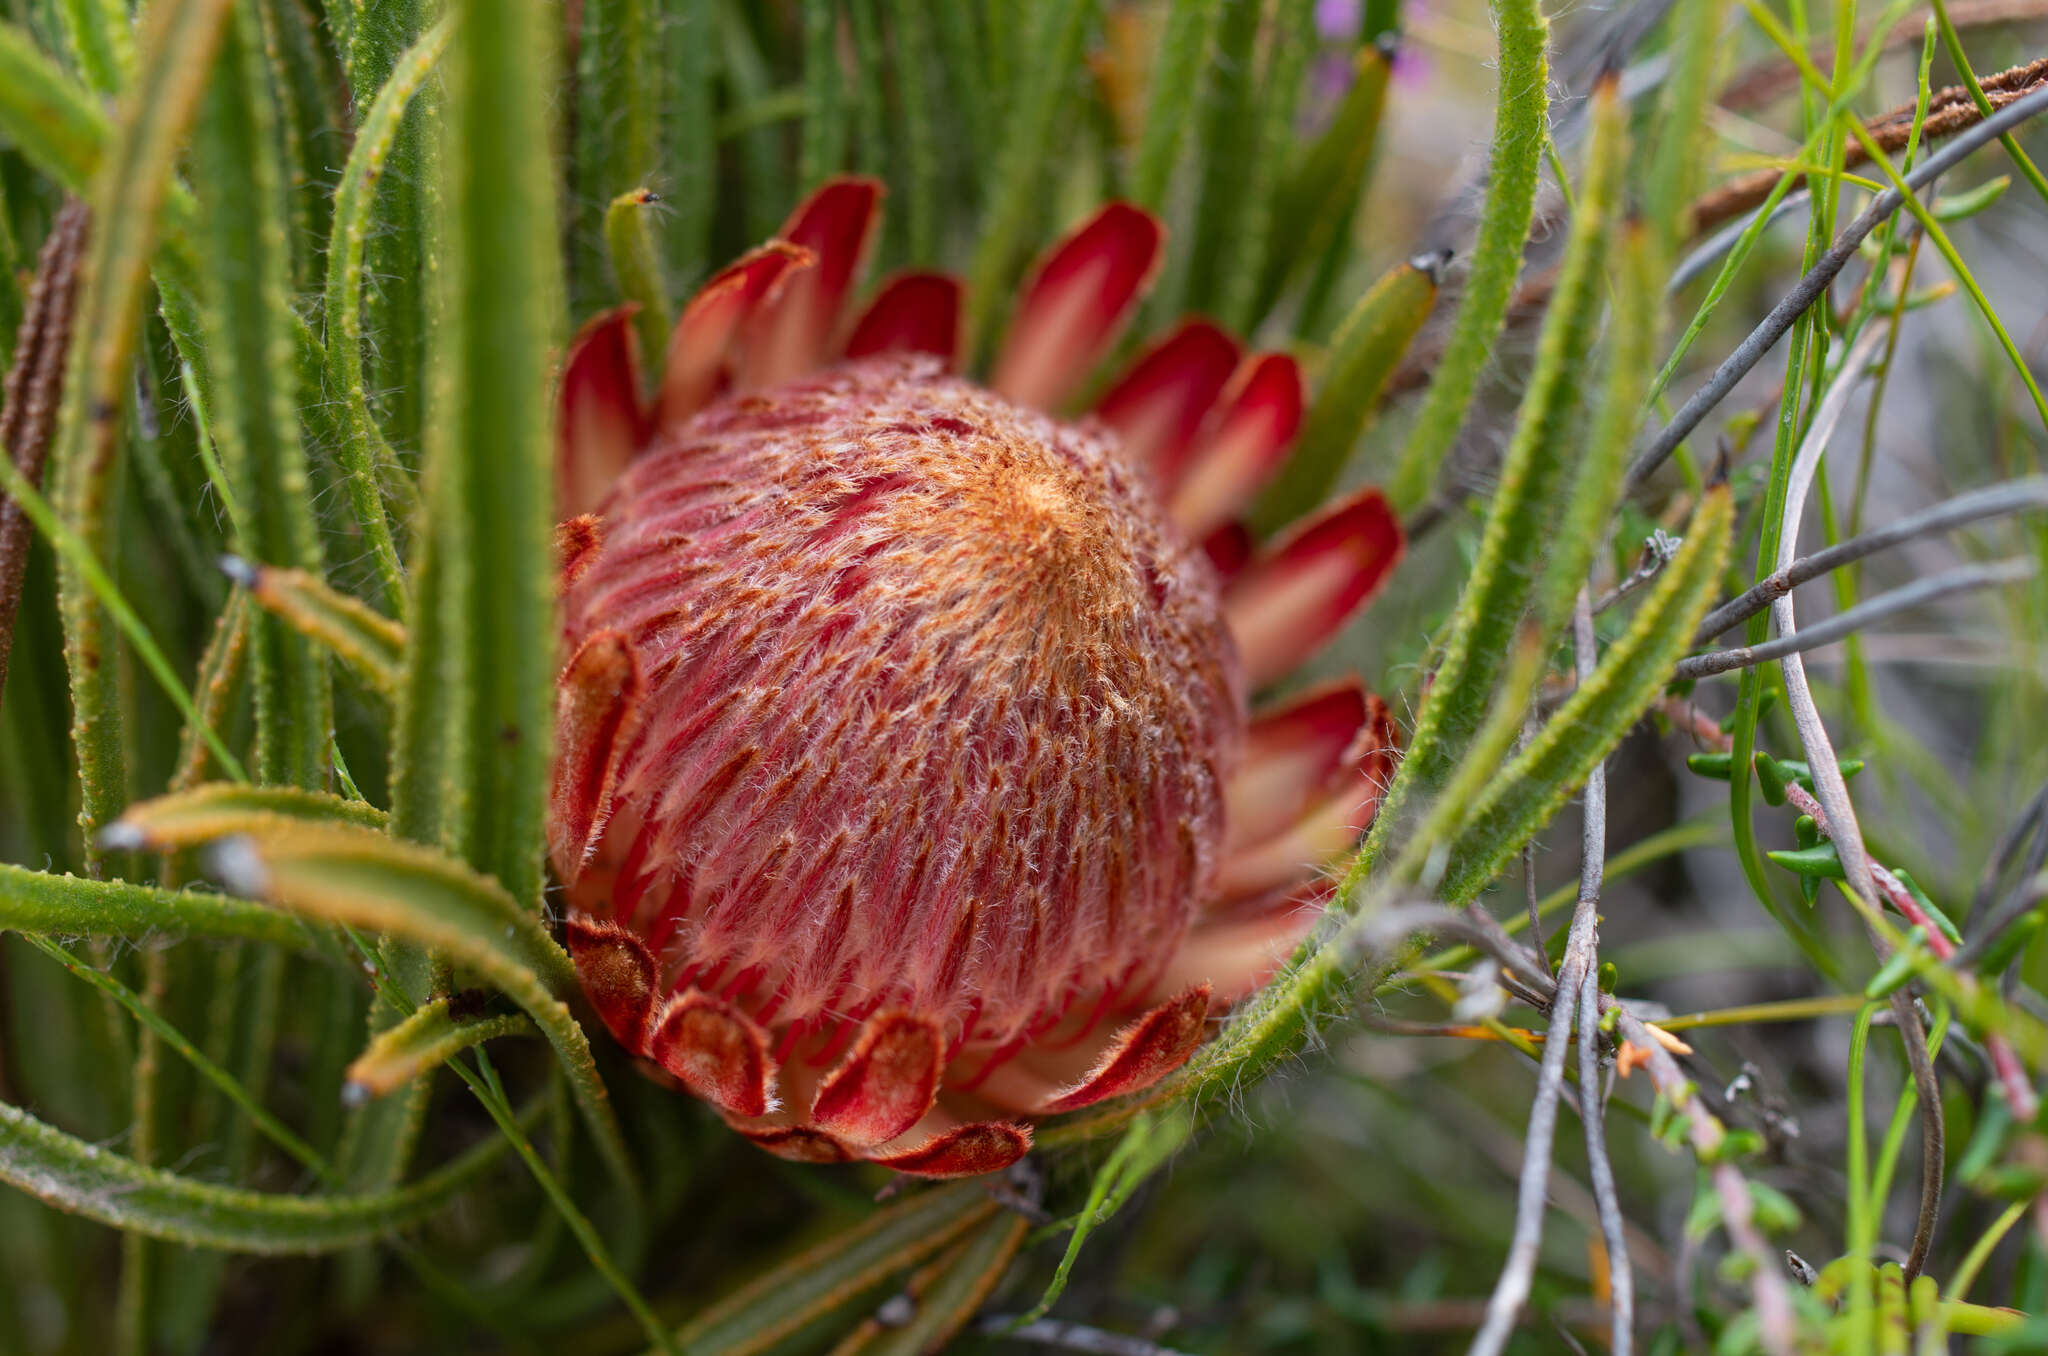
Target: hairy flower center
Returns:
[936, 708]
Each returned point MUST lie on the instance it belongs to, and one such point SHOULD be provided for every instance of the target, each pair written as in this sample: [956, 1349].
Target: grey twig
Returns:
[1592, 1117]
[1987, 923]
[1053, 1332]
[1810, 287]
[1474, 927]
[2016, 496]
[1511, 1290]
[1842, 624]
[1833, 792]
[1658, 548]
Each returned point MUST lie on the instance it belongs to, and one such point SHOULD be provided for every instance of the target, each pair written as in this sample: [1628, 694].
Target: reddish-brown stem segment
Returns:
[34, 389]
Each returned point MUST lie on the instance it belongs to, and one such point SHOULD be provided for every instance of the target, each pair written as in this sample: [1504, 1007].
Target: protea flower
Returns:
[906, 787]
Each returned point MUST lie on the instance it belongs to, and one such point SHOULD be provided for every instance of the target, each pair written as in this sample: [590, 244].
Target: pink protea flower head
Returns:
[906, 787]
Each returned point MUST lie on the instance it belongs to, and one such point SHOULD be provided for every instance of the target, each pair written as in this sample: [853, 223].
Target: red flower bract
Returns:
[905, 788]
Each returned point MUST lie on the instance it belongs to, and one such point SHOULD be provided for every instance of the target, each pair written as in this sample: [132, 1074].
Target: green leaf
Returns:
[689, 144]
[1518, 137]
[70, 906]
[970, 1272]
[1520, 541]
[343, 874]
[47, 117]
[254, 397]
[1146, 1146]
[100, 37]
[84, 1179]
[1054, 53]
[1290, 32]
[630, 239]
[179, 39]
[365, 454]
[476, 708]
[1367, 349]
[432, 1036]
[370, 644]
[1523, 795]
[1317, 198]
[819, 1280]
[1819, 860]
[616, 124]
[1184, 43]
[186, 819]
[1718, 766]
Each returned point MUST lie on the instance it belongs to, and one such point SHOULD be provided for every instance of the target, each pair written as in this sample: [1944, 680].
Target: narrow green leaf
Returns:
[429, 1038]
[255, 414]
[817, 1281]
[1698, 49]
[1362, 357]
[273, 1129]
[1316, 198]
[1145, 1147]
[629, 236]
[101, 40]
[1520, 524]
[371, 644]
[1596, 487]
[84, 1179]
[1518, 139]
[70, 906]
[1525, 793]
[616, 122]
[481, 661]
[364, 452]
[354, 876]
[689, 144]
[952, 1297]
[1058, 28]
[46, 117]
[1290, 31]
[913, 52]
[1189, 33]
[823, 151]
[179, 39]
[1227, 137]
[186, 819]
[308, 85]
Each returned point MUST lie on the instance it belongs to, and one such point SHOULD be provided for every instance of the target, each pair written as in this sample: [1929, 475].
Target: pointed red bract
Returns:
[1244, 446]
[577, 542]
[715, 1052]
[1143, 1053]
[597, 708]
[886, 1082]
[1158, 405]
[1327, 827]
[600, 424]
[617, 973]
[1229, 550]
[700, 350]
[1076, 301]
[799, 1145]
[1234, 956]
[913, 313]
[966, 1151]
[792, 332]
[1290, 757]
[1291, 602]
